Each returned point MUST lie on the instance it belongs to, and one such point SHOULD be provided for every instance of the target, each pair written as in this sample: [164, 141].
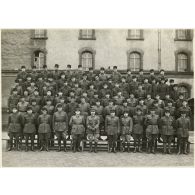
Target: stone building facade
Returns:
[168, 49]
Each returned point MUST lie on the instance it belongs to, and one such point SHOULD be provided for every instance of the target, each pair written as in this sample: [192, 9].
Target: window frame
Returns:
[39, 37]
[130, 37]
[33, 57]
[188, 35]
[87, 38]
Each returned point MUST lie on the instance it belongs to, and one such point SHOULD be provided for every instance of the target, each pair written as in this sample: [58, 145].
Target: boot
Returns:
[164, 148]
[149, 148]
[64, 145]
[169, 148]
[153, 148]
[32, 145]
[179, 150]
[128, 147]
[11, 145]
[185, 148]
[95, 149]
[74, 146]
[41, 145]
[135, 150]
[139, 147]
[114, 148]
[123, 147]
[47, 146]
[26, 147]
[90, 147]
[59, 146]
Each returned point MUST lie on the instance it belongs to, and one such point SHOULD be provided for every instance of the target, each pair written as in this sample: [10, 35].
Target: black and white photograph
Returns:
[97, 97]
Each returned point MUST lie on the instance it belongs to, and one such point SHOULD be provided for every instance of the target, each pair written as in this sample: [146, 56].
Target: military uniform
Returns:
[77, 124]
[29, 121]
[93, 131]
[112, 128]
[162, 90]
[44, 130]
[60, 126]
[126, 124]
[22, 107]
[183, 127]
[14, 128]
[13, 101]
[152, 130]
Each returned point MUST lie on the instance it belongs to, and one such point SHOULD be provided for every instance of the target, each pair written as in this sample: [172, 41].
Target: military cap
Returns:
[33, 100]
[138, 109]
[134, 77]
[184, 100]
[151, 70]
[155, 102]
[29, 108]
[43, 109]
[28, 76]
[141, 99]
[62, 73]
[92, 109]
[79, 66]
[90, 68]
[181, 94]
[44, 66]
[167, 110]
[169, 101]
[50, 76]
[141, 70]
[77, 109]
[114, 67]
[171, 80]
[56, 65]
[23, 67]
[98, 100]
[68, 66]
[183, 112]
[152, 108]
[14, 89]
[112, 110]
[34, 67]
[48, 100]
[162, 70]
[17, 81]
[102, 68]
[59, 106]
[128, 70]
[91, 84]
[175, 85]
[14, 107]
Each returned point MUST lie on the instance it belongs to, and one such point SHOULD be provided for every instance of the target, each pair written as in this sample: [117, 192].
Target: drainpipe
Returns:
[159, 49]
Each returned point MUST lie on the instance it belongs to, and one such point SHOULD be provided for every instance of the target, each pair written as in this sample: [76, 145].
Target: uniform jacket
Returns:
[92, 124]
[44, 122]
[167, 125]
[60, 121]
[126, 124]
[77, 123]
[22, 107]
[138, 123]
[15, 122]
[162, 90]
[183, 127]
[112, 125]
[29, 123]
[152, 122]
[13, 101]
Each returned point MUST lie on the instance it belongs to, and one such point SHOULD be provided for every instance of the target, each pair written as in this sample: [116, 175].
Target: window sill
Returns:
[135, 39]
[81, 38]
[182, 39]
[40, 38]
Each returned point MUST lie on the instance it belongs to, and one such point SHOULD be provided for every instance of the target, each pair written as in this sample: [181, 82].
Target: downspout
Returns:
[159, 49]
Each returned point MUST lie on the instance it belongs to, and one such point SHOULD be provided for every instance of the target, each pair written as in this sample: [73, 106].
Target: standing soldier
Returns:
[22, 105]
[154, 87]
[148, 101]
[152, 130]
[29, 122]
[142, 106]
[179, 102]
[183, 127]
[132, 103]
[129, 76]
[133, 86]
[93, 132]
[151, 76]
[138, 129]
[147, 86]
[140, 77]
[171, 108]
[60, 125]
[44, 122]
[79, 73]
[13, 100]
[22, 74]
[126, 124]
[90, 76]
[185, 108]
[14, 127]
[68, 72]
[112, 128]
[140, 92]
[167, 124]
[77, 124]
[56, 73]
[162, 89]
[116, 76]
[124, 87]
[102, 75]
[174, 94]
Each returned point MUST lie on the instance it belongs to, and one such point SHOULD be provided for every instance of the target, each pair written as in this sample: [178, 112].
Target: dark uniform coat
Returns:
[92, 124]
[183, 126]
[167, 125]
[77, 123]
[138, 123]
[15, 123]
[152, 122]
[60, 121]
[112, 125]
[44, 122]
[29, 121]
[126, 124]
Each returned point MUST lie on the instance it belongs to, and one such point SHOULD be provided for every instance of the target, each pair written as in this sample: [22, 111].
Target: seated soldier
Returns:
[93, 132]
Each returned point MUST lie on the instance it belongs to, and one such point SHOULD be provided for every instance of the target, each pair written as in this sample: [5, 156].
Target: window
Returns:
[136, 34]
[39, 59]
[183, 35]
[87, 59]
[39, 33]
[182, 62]
[88, 34]
[135, 61]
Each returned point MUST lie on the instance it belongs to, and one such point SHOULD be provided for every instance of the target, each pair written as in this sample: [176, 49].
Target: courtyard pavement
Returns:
[101, 159]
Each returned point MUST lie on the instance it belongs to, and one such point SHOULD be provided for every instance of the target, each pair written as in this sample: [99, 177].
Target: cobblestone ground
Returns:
[86, 159]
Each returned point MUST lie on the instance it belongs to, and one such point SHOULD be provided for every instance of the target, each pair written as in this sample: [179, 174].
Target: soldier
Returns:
[40, 83]
[45, 72]
[171, 86]
[64, 105]
[26, 96]
[93, 132]
[102, 75]
[56, 73]
[129, 76]
[147, 86]
[162, 75]
[48, 97]
[161, 103]
[22, 74]
[44, 122]
[60, 81]
[31, 88]
[18, 87]
[29, 123]
[140, 77]
[138, 129]
[79, 73]
[140, 92]
[68, 73]
[14, 127]
[185, 108]
[151, 76]
[37, 97]
[115, 89]
[84, 107]
[105, 90]
[58, 97]
[124, 87]
[109, 108]
[91, 91]
[179, 102]
[171, 108]
[124, 108]
[152, 130]
[97, 83]
[13, 100]
[112, 128]
[154, 88]
[50, 107]
[142, 106]
[36, 111]
[116, 76]
[168, 99]
[34, 73]
[183, 127]
[90, 75]
[77, 123]
[167, 124]
[133, 86]
[157, 108]
[22, 106]
[106, 100]
[132, 103]
[162, 88]
[174, 94]
[126, 124]
[148, 101]
[84, 82]
[60, 125]
[93, 99]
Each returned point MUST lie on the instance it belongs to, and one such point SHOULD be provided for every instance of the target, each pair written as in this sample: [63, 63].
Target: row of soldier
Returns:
[60, 104]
